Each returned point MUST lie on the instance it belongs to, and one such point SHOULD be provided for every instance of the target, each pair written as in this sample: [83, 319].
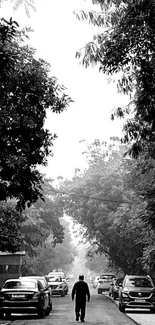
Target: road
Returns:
[100, 311]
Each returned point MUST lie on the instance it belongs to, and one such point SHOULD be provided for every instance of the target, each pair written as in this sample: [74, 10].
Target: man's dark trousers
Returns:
[80, 307]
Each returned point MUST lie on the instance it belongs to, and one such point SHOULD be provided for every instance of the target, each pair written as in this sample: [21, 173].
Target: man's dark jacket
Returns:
[81, 290]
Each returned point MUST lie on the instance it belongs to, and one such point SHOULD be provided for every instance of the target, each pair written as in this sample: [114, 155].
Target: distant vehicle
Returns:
[114, 287]
[23, 296]
[104, 282]
[57, 285]
[95, 281]
[63, 276]
[137, 291]
[47, 288]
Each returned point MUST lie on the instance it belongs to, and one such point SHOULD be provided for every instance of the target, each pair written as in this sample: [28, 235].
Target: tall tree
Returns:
[104, 201]
[26, 91]
[49, 257]
[125, 48]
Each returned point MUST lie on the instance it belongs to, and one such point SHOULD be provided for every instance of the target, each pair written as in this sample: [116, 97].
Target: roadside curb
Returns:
[116, 303]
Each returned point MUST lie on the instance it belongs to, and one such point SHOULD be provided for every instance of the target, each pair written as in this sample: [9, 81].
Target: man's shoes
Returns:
[82, 320]
[77, 319]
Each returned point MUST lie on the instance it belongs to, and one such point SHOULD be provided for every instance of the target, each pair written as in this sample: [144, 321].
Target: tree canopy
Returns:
[125, 49]
[107, 199]
[26, 91]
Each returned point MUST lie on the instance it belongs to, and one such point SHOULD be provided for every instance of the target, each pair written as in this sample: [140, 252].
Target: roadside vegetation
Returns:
[113, 198]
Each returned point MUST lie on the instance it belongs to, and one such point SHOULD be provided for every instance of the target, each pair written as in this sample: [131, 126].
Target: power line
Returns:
[91, 197]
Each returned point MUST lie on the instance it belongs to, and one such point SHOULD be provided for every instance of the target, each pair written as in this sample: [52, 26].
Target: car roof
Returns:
[33, 277]
[137, 276]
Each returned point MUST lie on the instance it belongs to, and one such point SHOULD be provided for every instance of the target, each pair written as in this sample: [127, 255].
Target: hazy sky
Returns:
[57, 35]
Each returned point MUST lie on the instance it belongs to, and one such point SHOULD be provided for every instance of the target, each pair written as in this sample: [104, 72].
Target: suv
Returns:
[104, 282]
[137, 291]
[63, 278]
[57, 285]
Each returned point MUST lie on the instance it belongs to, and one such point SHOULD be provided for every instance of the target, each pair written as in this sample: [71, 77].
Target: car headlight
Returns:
[125, 293]
[60, 286]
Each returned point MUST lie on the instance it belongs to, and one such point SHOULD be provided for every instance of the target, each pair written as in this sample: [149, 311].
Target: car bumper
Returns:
[135, 304]
[57, 292]
[19, 308]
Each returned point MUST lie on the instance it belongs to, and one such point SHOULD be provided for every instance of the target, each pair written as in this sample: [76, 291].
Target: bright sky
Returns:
[57, 35]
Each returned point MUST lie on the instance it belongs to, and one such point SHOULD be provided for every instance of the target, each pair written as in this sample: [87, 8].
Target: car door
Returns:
[43, 294]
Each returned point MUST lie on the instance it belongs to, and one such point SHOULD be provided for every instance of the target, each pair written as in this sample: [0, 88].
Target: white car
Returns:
[104, 282]
[95, 282]
[57, 285]
[63, 277]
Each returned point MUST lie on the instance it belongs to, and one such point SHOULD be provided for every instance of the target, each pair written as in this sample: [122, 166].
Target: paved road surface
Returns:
[100, 311]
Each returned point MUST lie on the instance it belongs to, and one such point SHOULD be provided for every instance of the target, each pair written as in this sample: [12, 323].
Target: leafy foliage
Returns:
[106, 200]
[26, 91]
[49, 257]
[10, 221]
[125, 47]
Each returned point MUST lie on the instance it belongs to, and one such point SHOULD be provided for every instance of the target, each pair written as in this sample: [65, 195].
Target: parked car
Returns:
[23, 296]
[95, 281]
[63, 277]
[104, 282]
[114, 288]
[47, 288]
[137, 292]
[57, 285]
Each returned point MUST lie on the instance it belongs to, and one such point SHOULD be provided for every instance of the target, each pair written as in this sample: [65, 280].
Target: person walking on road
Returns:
[80, 291]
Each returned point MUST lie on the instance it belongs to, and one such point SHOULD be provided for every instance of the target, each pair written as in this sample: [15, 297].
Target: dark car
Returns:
[21, 296]
[115, 287]
[47, 288]
[137, 292]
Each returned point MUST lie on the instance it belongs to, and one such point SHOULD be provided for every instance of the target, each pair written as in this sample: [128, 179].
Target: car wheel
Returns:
[63, 294]
[152, 310]
[114, 296]
[1, 315]
[99, 292]
[50, 306]
[121, 308]
[8, 315]
[41, 312]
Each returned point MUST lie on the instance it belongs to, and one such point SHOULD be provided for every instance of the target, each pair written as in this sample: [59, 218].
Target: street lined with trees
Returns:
[113, 198]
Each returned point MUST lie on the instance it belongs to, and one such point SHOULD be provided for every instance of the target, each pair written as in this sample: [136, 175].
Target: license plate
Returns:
[18, 296]
[140, 300]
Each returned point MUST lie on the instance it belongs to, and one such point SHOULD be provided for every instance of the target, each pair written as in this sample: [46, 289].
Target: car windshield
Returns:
[53, 279]
[139, 282]
[107, 277]
[118, 282]
[20, 284]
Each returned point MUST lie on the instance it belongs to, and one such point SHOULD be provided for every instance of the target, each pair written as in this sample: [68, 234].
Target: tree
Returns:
[10, 221]
[49, 257]
[28, 5]
[125, 49]
[104, 201]
[26, 91]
